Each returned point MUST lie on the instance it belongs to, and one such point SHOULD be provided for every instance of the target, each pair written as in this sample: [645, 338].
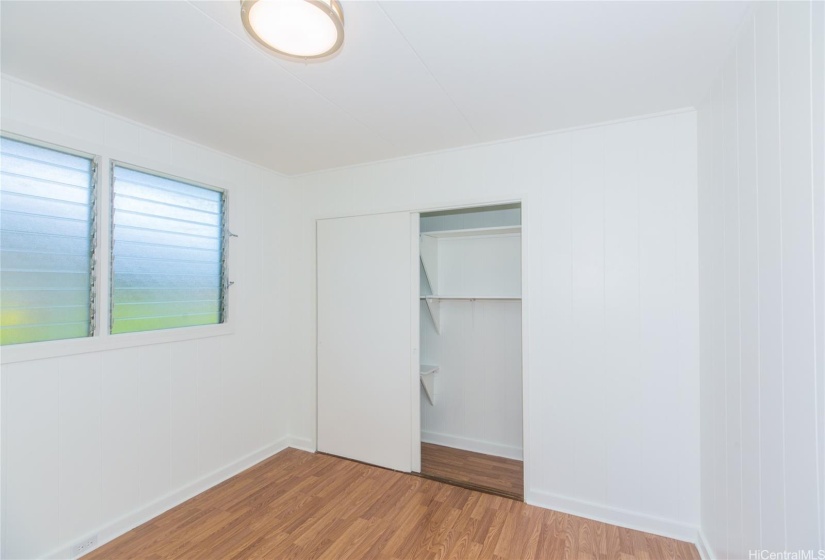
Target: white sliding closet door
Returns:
[365, 352]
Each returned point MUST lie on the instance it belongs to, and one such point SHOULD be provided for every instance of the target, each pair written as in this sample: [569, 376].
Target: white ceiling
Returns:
[413, 76]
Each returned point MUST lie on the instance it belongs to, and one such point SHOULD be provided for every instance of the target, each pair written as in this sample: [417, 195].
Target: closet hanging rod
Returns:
[472, 298]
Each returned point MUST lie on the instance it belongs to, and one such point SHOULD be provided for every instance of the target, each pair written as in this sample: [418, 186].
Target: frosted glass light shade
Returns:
[295, 29]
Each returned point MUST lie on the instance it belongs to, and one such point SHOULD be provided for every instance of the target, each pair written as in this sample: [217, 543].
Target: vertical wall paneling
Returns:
[657, 296]
[552, 221]
[798, 324]
[622, 341]
[817, 151]
[732, 305]
[212, 428]
[121, 428]
[708, 345]
[686, 299]
[31, 458]
[761, 195]
[716, 338]
[154, 408]
[185, 369]
[748, 286]
[588, 309]
[771, 410]
[79, 498]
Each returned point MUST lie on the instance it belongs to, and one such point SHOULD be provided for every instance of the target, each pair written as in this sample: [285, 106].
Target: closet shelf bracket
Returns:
[434, 307]
[428, 253]
[428, 381]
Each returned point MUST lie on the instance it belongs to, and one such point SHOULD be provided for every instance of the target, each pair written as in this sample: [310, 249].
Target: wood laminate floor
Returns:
[304, 505]
[474, 470]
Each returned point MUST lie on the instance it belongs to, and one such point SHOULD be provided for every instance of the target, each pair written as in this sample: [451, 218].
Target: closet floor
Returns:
[473, 470]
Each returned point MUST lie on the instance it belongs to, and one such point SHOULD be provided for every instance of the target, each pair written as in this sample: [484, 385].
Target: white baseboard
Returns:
[623, 518]
[478, 446]
[703, 546]
[129, 521]
[304, 444]
[597, 512]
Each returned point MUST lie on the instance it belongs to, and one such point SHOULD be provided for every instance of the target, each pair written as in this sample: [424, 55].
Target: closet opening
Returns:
[471, 348]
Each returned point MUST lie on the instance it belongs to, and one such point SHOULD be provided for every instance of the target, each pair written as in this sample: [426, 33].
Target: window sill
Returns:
[69, 347]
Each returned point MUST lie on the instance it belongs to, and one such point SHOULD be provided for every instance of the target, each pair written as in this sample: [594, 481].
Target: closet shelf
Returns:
[428, 381]
[434, 304]
[474, 232]
[471, 298]
[427, 369]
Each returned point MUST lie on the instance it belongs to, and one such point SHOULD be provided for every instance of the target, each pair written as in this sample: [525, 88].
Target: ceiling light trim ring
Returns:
[331, 8]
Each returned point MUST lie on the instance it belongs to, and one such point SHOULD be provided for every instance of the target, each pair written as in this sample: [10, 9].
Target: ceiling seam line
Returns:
[430, 72]
[293, 76]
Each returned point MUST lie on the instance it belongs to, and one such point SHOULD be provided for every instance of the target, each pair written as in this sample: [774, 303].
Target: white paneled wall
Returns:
[610, 309]
[762, 288]
[98, 441]
[478, 387]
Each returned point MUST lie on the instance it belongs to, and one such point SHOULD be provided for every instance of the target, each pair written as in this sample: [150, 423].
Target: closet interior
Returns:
[471, 348]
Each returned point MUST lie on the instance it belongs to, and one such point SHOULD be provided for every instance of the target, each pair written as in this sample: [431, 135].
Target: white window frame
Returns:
[102, 340]
[225, 236]
[94, 322]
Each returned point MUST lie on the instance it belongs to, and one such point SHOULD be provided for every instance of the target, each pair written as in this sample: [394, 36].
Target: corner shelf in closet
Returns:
[428, 381]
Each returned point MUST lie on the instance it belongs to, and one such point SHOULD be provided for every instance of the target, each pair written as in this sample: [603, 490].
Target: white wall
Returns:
[761, 219]
[610, 308]
[103, 437]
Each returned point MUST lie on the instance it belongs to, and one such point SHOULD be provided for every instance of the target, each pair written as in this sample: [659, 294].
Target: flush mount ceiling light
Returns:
[296, 29]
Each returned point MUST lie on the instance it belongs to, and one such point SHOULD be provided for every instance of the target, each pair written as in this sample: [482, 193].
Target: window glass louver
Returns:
[167, 253]
[47, 243]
